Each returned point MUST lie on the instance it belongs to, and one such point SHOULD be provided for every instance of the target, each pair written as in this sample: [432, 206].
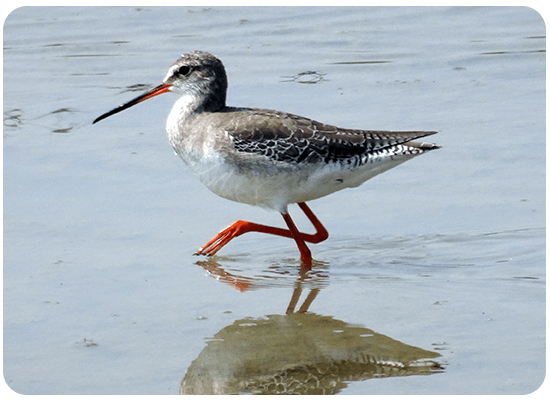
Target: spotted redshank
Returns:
[264, 157]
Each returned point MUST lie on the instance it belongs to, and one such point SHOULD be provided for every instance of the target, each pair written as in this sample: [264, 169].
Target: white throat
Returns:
[183, 109]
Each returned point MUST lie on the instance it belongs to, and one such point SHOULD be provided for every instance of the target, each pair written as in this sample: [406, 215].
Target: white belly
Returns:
[276, 184]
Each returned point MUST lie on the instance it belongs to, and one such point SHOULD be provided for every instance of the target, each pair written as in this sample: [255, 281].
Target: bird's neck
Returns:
[186, 106]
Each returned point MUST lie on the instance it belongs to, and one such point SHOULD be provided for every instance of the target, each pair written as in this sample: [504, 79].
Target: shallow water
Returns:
[446, 253]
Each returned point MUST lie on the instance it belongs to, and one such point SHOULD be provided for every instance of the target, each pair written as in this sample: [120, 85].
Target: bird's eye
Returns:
[183, 70]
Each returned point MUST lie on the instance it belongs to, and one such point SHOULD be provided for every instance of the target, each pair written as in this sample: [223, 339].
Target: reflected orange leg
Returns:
[240, 227]
[296, 297]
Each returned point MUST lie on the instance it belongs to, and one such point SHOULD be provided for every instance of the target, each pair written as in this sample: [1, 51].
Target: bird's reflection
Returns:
[275, 276]
[298, 352]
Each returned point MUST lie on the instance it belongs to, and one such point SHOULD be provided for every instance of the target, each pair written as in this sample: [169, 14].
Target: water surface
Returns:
[444, 254]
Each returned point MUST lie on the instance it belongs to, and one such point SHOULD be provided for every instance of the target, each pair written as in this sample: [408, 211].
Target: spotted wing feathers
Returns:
[290, 138]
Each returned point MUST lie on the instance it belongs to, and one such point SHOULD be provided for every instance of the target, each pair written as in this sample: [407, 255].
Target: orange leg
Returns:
[240, 227]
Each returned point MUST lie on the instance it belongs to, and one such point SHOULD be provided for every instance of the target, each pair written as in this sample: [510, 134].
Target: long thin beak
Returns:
[163, 88]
